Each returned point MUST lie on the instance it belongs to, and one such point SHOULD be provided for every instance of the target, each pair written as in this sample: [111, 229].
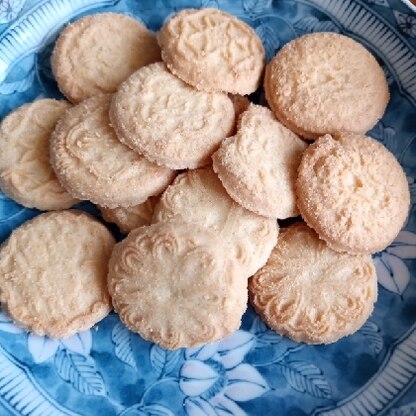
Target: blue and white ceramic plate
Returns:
[111, 371]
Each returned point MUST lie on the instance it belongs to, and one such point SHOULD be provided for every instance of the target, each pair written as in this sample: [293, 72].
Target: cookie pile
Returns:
[203, 240]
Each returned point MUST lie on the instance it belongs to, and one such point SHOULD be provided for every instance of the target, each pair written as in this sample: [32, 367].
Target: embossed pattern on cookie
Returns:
[169, 122]
[353, 192]
[212, 51]
[174, 284]
[53, 273]
[96, 53]
[309, 292]
[25, 172]
[258, 166]
[92, 164]
[198, 197]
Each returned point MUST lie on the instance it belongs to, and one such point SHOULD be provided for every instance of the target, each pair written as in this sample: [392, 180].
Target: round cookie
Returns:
[310, 293]
[169, 122]
[198, 197]
[212, 51]
[53, 273]
[325, 83]
[96, 53]
[175, 285]
[353, 192]
[92, 164]
[25, 173]
[127, 219]
[258, 166]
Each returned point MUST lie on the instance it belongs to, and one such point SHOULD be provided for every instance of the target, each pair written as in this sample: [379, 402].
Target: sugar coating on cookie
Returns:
[311, 293]
[198, 197]
[92, 164]
[25, 173]
[258, 166]
[169, 122]
[353, 192]
[96, 53]
[53, 273]
[175, 285]
[212, 51]
[325, 83]
[127, 219]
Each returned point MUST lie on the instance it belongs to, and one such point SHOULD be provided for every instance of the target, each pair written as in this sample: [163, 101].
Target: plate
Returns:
[110, 371]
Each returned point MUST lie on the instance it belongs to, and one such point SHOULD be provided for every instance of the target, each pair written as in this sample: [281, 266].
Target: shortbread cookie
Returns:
[325, 83]
[127, 219]
[310, 293]
[169, 122]
[96, 53]
[353, 192]
[92, 164]
[175, 285]
[258, 166]
[53, 273]
[198, 197]
[25, 173]
[212, 51]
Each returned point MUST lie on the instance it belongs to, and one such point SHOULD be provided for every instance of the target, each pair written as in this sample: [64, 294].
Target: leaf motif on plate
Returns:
[22, 393]
[270, 39]
[306, 378]
[10, 9]
[80, 343]
[311, 24]
[373, 334]
[256, 7]
[120, 336]
[164, 361]
[148, 410]
[406, 410]
[41, 347]
[80, 371]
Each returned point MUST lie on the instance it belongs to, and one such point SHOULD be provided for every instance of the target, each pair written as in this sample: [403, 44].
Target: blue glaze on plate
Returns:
[109, 370]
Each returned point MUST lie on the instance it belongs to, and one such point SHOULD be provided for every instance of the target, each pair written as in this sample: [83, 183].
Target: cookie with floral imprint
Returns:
[310, 292]
[46, 266]
[25, 173]
[212, 51]
[92, 164]
[97, 52]
[175, 284]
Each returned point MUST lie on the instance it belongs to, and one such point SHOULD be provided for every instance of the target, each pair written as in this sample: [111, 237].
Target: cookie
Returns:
[92, 164]
[353, 192]
[311, 293]
[175, 285]
[212, 51]
[25, 173]
[96, 53]
[53, 273]
[198, 197]
[169, 122]
[325, 83]
[127, 219]
[258, 166]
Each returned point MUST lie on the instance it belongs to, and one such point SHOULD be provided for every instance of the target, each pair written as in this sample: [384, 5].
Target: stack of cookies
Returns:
[197, 176]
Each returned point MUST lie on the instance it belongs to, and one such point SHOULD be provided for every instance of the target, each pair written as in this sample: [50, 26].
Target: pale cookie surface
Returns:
[127, 219]
[324, 83]
[174, 284]
[353, 192]
[169, 122]
[258, 166]
[198, 197]
[96, 53]
[53, 273]
[92, 164]
[212, 51]
[310, 293]
[25, 173]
